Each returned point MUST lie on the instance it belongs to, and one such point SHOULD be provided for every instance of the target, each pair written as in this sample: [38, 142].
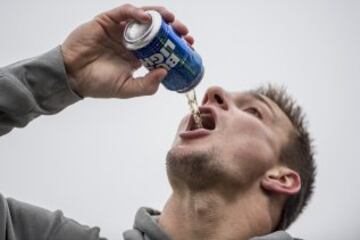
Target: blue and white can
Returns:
[156, 45]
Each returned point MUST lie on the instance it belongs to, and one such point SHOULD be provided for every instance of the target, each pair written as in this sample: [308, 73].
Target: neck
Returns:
[209, 215]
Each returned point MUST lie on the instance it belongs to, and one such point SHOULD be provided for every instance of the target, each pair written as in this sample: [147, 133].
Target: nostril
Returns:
[218, 99]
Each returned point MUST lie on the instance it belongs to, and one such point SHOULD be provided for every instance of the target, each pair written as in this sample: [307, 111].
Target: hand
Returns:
[98, 64]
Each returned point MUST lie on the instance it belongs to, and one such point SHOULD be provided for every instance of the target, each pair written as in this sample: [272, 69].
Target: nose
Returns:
[217, 96]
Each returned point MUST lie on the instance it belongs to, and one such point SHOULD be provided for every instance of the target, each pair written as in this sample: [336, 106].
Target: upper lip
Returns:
[203, 110]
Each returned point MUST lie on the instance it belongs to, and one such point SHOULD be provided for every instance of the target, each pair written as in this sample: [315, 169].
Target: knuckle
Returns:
[182, 24]
[127, 6]
[162, 9]
[100, 17]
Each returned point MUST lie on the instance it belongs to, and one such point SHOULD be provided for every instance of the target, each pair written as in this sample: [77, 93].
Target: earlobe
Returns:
[282, 180]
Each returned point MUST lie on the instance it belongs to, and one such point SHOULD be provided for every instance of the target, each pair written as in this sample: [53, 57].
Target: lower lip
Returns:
[198, 133]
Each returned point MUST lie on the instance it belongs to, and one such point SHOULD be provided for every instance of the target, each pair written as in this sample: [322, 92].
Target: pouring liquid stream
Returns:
[194, 107]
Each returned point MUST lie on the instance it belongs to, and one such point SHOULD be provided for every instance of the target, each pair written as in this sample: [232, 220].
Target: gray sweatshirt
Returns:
[146, 228]
[39, 86]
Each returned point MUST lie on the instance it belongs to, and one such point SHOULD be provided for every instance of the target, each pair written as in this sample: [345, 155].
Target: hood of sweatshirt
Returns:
[147, 228]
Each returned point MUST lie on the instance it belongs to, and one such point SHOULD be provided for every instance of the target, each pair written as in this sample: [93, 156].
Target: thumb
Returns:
[146, 85]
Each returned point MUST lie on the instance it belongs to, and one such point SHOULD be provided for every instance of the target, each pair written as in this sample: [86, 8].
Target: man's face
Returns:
[242, 138]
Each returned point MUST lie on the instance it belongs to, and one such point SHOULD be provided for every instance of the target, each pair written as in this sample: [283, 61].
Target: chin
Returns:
[179, 152]
[194, 168]
[186, 151]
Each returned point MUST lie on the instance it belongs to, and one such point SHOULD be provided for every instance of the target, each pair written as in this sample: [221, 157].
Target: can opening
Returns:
[138, 34]
[136, 31]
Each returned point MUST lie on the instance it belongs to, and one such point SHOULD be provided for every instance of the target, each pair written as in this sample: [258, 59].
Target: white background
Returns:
[99, 160]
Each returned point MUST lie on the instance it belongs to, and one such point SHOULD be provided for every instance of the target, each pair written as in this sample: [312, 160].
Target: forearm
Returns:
[33, 87]
[22, 221]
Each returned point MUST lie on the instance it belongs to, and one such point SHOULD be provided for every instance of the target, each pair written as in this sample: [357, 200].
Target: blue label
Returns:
[169, 51]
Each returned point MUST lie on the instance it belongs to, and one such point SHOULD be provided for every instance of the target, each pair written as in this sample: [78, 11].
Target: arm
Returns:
[33, 87]
[20, 221]
[92, 61]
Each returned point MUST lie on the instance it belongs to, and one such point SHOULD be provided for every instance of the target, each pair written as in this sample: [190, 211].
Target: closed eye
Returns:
[254, 111]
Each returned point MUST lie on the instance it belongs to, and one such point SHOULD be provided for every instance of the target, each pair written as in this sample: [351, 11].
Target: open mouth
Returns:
[207, 117]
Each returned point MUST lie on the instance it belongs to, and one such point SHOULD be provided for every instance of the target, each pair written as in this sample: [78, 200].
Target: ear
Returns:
[281, 180]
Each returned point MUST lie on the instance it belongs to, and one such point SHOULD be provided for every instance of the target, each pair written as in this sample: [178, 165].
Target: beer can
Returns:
[156, 44]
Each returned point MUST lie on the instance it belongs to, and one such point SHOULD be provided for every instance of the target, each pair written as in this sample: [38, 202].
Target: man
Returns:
[246, 175]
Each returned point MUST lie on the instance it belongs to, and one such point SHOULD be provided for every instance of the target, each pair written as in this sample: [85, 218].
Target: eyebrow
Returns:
[262, 99]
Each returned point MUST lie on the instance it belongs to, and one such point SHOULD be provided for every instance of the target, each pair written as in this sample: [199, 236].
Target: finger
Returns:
[111, 29]
[126, 12]
[165, 13]
[180, 28]
[146, 85]
[189, 39]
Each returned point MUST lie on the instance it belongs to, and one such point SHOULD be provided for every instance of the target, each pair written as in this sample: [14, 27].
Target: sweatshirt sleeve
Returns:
[22, 221]
[33, 87]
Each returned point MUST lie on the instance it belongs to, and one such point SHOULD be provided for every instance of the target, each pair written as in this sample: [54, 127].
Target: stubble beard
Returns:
[196, 170]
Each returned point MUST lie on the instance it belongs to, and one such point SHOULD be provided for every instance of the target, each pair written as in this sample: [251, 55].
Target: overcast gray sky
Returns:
[99, 160]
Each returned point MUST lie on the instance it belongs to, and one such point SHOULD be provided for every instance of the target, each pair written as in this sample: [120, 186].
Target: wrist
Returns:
[69, 66]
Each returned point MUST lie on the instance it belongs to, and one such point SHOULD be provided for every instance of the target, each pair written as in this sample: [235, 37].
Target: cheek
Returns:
[254, 150]
[249, 150]
[248, 162]
[252, 138]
